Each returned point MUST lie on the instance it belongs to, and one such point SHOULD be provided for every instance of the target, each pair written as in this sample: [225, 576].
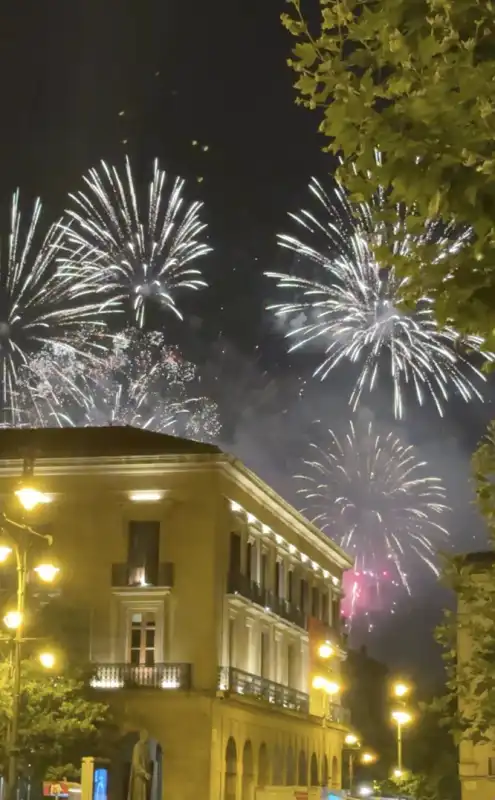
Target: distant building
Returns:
[208, 598]
[476, 761]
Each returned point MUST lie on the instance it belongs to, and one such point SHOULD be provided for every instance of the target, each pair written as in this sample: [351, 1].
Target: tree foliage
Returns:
[416, 79]
[60, 720]
[470, 631]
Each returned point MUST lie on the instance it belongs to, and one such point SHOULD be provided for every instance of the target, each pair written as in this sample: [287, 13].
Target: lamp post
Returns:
[19, 537]
[401, 718]
[352, 744]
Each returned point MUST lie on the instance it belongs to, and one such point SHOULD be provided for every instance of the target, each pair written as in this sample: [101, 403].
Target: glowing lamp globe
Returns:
[47, 660]
[29, 498]
[13, 619]
[47, 572]
[5, 552]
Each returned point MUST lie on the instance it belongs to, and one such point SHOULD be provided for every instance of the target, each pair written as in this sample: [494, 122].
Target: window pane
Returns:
[136, 638]
[137, 618]
[150, 638]
[143, 548]
[150, 658]
[135, 656]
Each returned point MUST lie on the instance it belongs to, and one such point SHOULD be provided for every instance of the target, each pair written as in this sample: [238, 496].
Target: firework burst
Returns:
[374, 496]
[135, 252]
[351, 303]
[139, 380]
[40, 307]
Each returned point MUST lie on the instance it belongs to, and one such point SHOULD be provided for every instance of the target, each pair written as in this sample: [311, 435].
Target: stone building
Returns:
[208, 599]
[476, 760]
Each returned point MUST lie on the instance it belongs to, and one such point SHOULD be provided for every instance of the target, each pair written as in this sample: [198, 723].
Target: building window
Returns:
[279, 579]
[232, 643]
[290, 585]
[263, 569]
[291, 666]
[304, 594]
[143, 553]
[235, 554]
[336, 614]
[249, 561]
[143, 635]
[315, 602]
[324, 607]
[264, 655]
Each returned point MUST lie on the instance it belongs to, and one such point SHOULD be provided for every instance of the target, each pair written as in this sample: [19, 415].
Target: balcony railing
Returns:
[161, 575]
[131, 676]
[235, 680]
[338, 714]
[242, 585]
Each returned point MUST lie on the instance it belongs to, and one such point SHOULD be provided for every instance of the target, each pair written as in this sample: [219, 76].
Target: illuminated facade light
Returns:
[315, 565]
[147, 496]
[278, 538]
[326, 573]
[266, 529]
[304, 558]
[235, 506]
[251, 519]
[292, 548]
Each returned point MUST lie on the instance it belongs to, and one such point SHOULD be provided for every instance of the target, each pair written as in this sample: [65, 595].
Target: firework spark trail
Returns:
[374, 495]
[138, 380]
[134, 252]
[39, 306]
[351, 302]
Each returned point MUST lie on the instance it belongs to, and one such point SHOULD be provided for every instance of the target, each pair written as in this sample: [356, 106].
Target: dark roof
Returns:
[481, 558]
[110, 441]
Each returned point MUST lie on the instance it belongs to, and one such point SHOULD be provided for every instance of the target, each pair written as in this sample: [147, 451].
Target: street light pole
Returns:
[351, 770]
[21, 563]
[399, 746]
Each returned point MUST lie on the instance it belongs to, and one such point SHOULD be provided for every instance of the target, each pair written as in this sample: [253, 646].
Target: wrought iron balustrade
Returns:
[242, 585]
[131, 676]
[239, 682]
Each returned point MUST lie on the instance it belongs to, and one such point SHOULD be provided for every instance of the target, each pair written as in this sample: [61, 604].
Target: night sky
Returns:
[87, 80]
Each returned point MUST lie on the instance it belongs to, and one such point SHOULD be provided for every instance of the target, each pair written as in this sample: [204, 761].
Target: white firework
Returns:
[351, 302]
[135, 252]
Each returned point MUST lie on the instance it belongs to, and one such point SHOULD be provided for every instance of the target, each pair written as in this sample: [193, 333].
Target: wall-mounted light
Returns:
[251, 519]
[266, 529]
[304, 558]
[292, 548]
[326, 573]
[147, 496]
[235, 506]
[278, 538]
[335, 581]
[315, 565]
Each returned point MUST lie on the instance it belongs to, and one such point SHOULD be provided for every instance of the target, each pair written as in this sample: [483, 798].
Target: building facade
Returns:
[476, 759]
[207, 597]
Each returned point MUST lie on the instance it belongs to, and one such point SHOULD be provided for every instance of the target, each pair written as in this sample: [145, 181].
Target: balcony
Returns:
[338, 714]
[242, 585]
[159, 576]
[243, 683]
[131, 676]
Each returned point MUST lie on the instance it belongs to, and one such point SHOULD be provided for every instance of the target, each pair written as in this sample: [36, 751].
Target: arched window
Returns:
[230, 770]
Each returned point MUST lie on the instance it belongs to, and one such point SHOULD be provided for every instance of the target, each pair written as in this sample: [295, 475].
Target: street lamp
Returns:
[401, 689]
[47, 660]
[368, 758]
[401, 718]
[325, 650]
[19, 537]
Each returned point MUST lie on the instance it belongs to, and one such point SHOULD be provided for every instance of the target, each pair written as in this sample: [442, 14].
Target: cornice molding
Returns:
[249, 481]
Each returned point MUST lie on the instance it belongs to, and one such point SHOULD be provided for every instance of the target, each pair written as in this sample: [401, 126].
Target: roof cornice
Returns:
[281, 508]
